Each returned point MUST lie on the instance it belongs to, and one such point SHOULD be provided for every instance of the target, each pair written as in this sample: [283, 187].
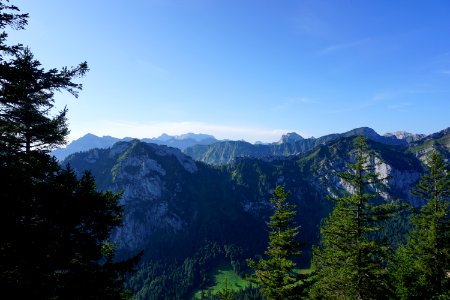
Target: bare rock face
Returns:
[403, 135]
[149, 177]
[140, 174]
[290, 137]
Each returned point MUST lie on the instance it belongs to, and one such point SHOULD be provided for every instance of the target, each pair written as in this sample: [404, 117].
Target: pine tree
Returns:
[422, 266]
[27, 97]
[54, 226]
[351, 263]
[276, 275]
[226, 293]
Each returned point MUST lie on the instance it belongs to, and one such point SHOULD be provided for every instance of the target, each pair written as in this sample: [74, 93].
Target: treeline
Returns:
[354, 259]
[170, 279]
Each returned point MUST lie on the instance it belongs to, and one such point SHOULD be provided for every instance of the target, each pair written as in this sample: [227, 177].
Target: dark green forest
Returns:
[281, 222]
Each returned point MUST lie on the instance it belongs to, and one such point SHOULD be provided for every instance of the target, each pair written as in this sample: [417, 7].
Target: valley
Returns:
[176, 206]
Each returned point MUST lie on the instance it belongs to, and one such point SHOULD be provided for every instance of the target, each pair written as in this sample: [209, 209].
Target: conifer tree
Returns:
[226, 293]
[54, 226]
[351, 263]
[27, 97]
[276, 275]
[423, 265]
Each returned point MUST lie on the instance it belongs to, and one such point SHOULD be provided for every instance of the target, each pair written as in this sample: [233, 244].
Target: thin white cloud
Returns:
[140, 130]
[394, 94]
[290, 103]
[355, 107]
[384, 96]
[400, 107]
[445, 72]
[345, 46]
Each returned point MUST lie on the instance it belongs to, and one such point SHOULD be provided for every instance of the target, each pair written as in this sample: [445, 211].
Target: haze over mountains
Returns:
[201, 148]
[91, 141]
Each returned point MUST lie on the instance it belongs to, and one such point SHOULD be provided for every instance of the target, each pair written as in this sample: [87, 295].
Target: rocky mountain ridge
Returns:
[164, 188]
[188, 140]
[403, 135]
[224, 152]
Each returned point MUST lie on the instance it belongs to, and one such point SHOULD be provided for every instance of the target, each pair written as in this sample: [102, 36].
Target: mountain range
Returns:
[224, 152]
[199, 145]
[91, 141]
[179, 203]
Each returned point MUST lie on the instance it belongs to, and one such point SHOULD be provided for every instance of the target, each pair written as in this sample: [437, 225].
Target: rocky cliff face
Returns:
[439, 141]
[140, 171]
[406, 136]
[168, 197]
[290, 137]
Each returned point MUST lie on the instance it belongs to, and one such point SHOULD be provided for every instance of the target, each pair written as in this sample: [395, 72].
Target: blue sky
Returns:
[248, 70]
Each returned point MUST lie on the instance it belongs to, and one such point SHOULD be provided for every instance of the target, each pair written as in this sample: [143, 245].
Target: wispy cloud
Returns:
[148, 130]
[382, 97]
[445, 72]
[289, 103]
[354, 107]
[345, 46]
[400, 107]
[395, 94]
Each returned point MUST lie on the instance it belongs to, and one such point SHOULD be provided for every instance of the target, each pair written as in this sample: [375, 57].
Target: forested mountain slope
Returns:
[175, 206]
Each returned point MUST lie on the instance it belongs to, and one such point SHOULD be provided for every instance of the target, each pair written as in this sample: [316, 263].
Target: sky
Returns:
[247, 69]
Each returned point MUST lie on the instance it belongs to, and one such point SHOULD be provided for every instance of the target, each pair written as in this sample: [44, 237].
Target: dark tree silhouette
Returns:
[54, 226]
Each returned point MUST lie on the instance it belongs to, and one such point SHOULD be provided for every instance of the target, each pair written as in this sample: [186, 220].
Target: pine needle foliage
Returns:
[277, 275]
[422, 267]
[350, 263]
[226, 293]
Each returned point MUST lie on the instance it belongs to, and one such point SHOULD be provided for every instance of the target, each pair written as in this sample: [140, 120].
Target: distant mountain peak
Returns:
[290, 137]
[91, 141]
[403, 135]
[164, 137]
[364, 131]
[195, 136]
[400, 134]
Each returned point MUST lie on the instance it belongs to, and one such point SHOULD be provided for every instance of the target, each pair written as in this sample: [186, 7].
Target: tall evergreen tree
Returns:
[54, 226]
[351, 263]
[276, 275]
[423, 265]
[27, 97]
